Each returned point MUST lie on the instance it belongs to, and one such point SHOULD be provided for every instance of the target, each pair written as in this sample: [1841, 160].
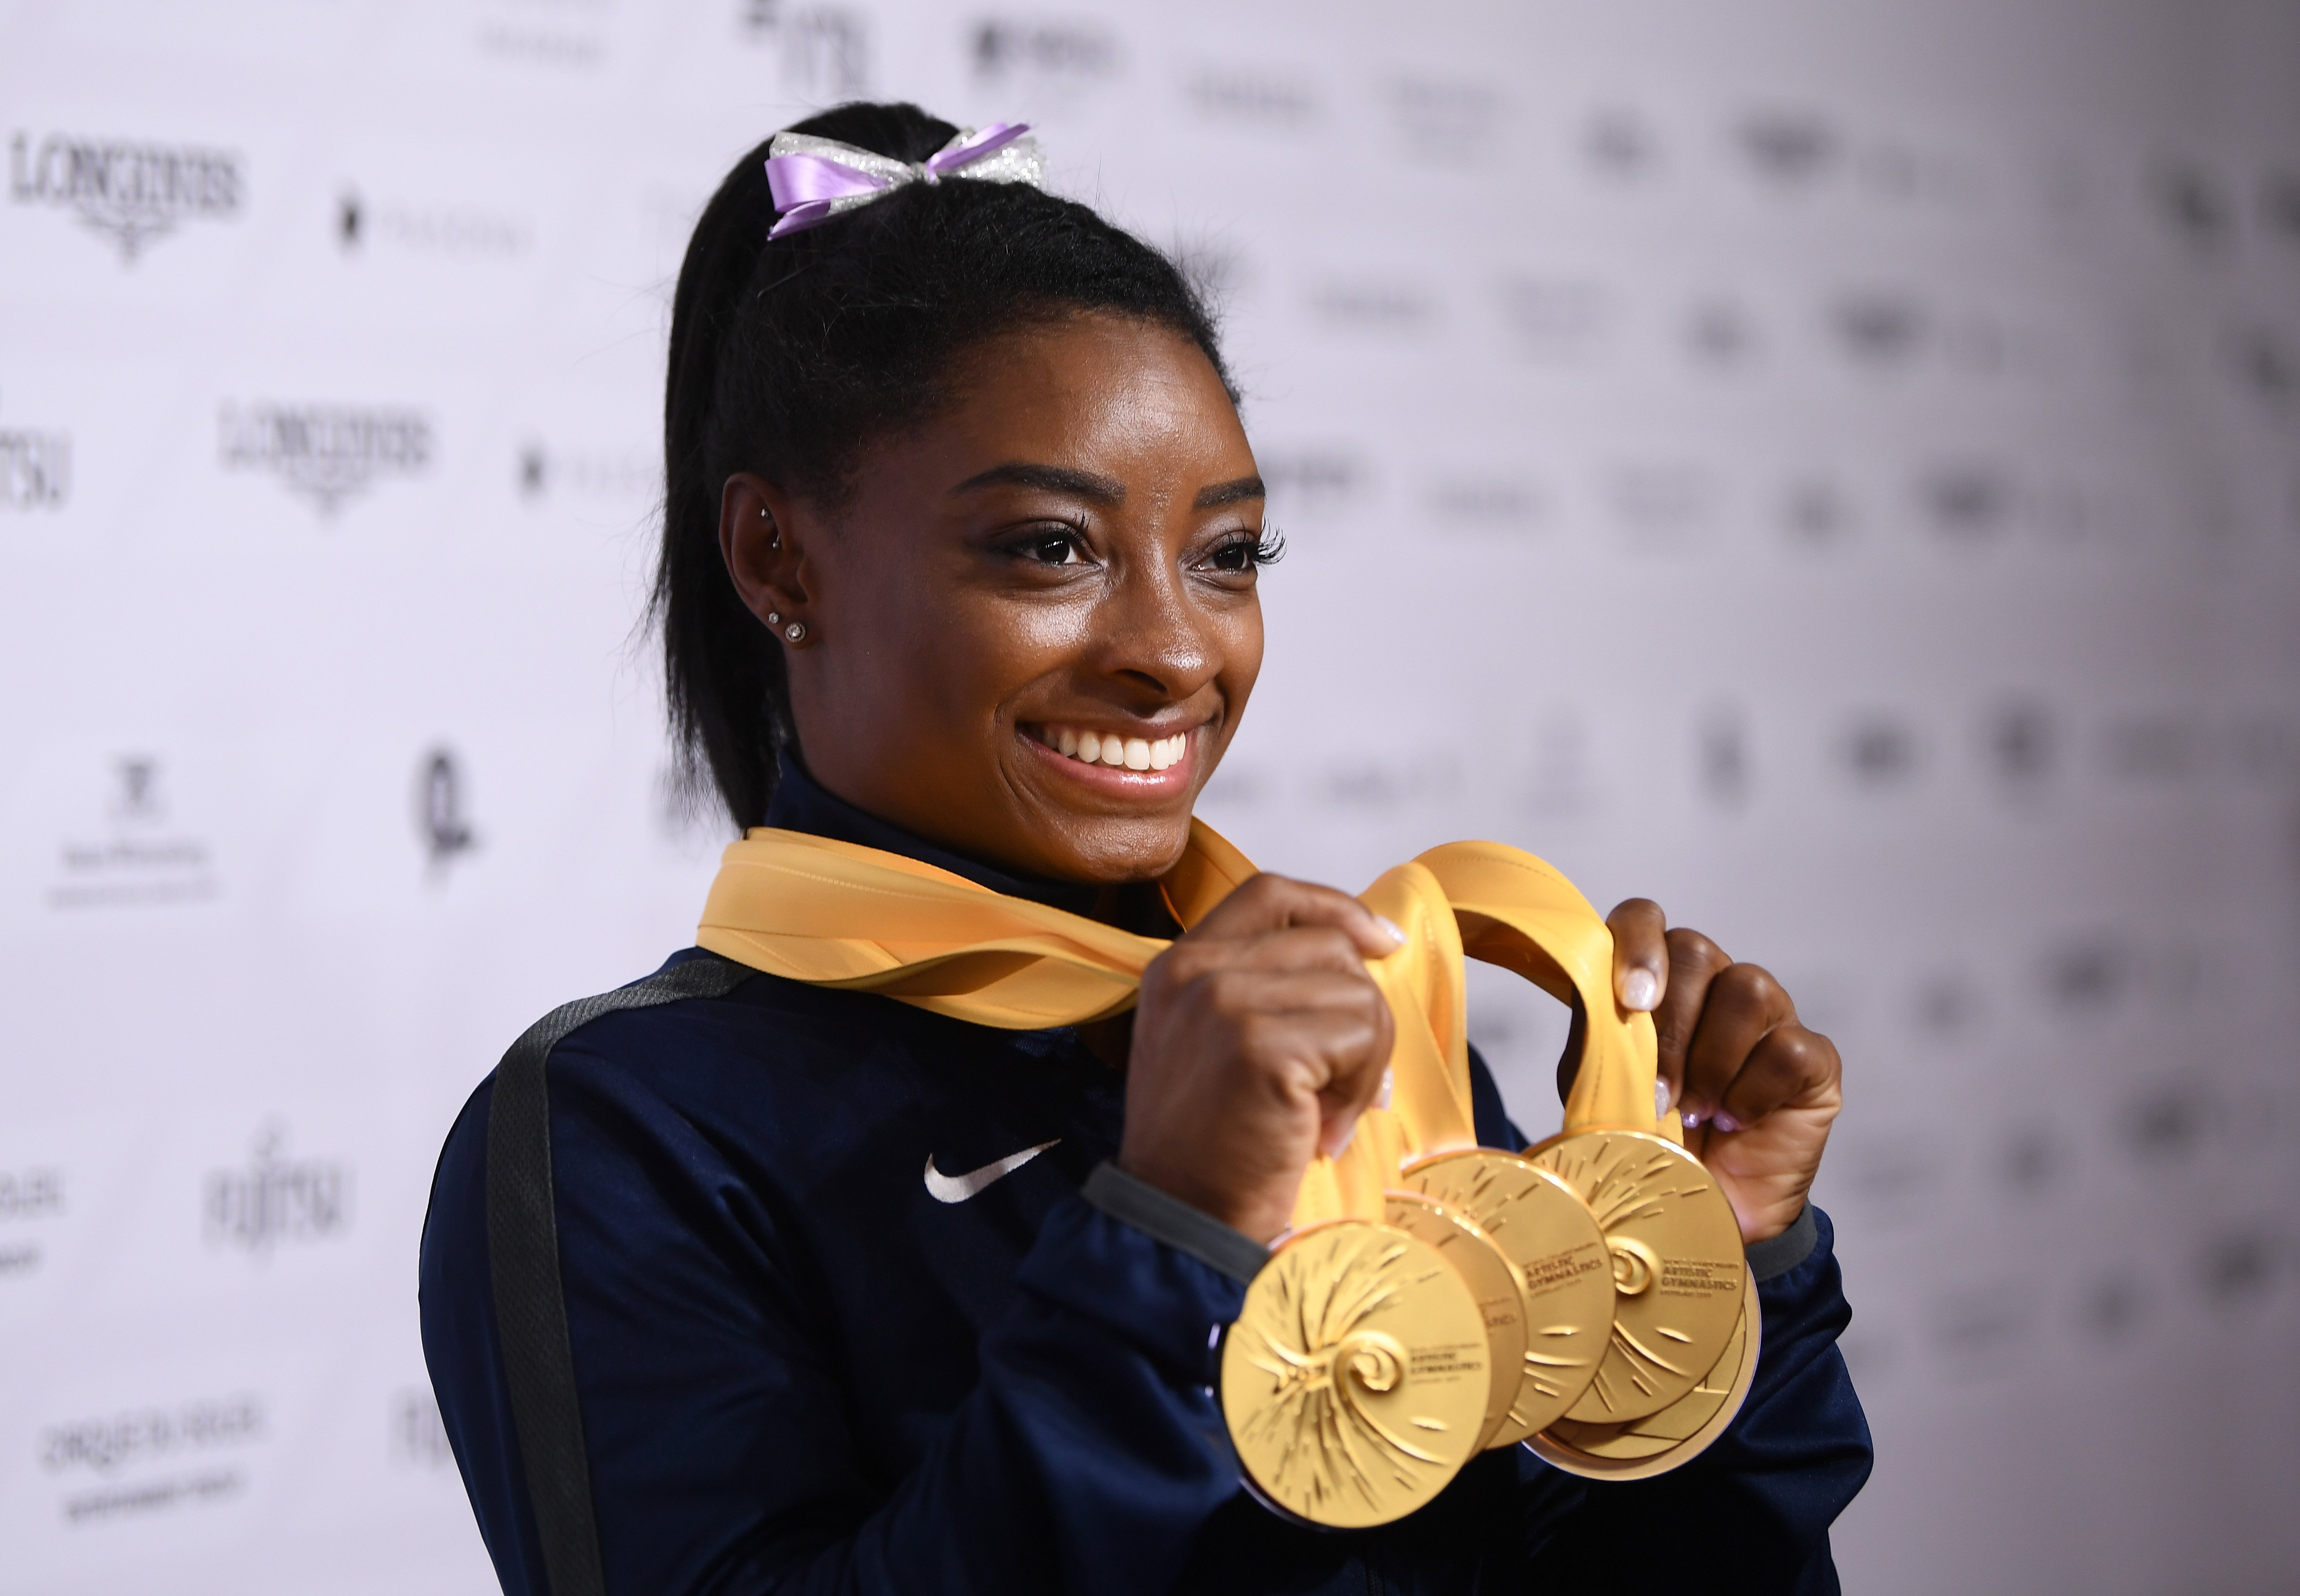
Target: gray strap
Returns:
[1776, 1256]
[523, 1261]
[1174, 1222]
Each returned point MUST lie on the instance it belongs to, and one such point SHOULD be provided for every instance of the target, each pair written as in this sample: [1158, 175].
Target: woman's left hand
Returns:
[1757, 1090]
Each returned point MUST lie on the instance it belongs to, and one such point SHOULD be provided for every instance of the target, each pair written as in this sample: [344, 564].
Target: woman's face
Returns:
[1033, 627]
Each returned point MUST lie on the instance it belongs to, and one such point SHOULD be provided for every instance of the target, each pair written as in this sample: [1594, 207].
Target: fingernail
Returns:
[1721, 1120]
[1692, 1120]
[1396, 932]
[1348, 1136]
[1640, 990]
[1660, 1098]
[1381, 1098]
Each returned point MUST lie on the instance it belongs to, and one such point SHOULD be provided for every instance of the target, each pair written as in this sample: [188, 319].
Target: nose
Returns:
[1151, 636]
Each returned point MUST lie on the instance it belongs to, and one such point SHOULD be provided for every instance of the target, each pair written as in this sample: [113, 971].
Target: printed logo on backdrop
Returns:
[552, 34]
[130, 192]
[145, 1462]
[34, 467]
[1246, 96]
[440, 822]
[824, 50]
[1314, 478]
[1043, 56]
[417, 1436]
[1458, 121]
[31, 1197]
[329, 453]
[131, 856]
[275, 1199]
[451, 232]
[631, 475]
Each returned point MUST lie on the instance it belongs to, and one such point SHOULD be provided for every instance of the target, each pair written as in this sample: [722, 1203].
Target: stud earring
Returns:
[796, 631]
[773, 619]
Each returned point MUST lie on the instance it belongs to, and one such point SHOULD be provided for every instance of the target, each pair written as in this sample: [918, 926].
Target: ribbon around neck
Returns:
[835, 914]
[813, 179]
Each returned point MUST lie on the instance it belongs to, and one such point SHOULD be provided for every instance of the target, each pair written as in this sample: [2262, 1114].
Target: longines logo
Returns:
[132, 193]
[329, 453]
[274, 1199]
[34, 468]
[102, 1448]
[141, 860]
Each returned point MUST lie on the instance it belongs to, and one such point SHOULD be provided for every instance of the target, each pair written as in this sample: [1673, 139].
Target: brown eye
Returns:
[1052, 548]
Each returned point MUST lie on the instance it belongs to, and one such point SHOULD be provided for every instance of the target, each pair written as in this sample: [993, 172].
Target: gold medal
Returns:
[1678, 1432]
[1354, 1381]
[1678, 1266]
[1491, 1280]
[1563, 1273]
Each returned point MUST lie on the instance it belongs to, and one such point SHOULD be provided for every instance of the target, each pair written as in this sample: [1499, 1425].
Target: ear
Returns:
[760, 541]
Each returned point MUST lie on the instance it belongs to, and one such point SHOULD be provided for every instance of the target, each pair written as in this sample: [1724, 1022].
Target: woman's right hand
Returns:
[1258, 1040]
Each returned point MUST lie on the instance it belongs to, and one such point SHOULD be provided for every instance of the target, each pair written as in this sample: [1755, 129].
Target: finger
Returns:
[1275, 903]
[1297, 947]
[1239, 993]
[1743, 1005]
[1790, 1066]
[1640, 952]
[1693, 962]
[1357, 1081]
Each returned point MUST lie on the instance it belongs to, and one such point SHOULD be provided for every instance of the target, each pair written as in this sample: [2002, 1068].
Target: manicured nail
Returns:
[1721, 1120]
[1660, 1098]
[1692, 1120]
[1348, 1136]
[1640, 990]
[1381, 1098]
[1396, 932]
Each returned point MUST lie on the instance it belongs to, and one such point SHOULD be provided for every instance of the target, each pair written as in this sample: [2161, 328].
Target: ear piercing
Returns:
[773, 619]
[795, 632]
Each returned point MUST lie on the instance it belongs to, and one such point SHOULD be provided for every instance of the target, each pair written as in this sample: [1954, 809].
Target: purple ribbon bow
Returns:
[808, 187]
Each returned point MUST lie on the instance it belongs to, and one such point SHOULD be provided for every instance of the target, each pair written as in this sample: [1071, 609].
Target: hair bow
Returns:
[814, 179]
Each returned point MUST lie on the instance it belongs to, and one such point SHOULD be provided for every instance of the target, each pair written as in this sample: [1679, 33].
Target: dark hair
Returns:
[787, 358]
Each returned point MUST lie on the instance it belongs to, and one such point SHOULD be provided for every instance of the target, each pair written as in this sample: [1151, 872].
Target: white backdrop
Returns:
[1831, 466]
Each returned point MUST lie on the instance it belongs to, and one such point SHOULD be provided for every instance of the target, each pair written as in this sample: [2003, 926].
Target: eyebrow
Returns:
[1060, 479]
[1102, 490]
[1229, 493]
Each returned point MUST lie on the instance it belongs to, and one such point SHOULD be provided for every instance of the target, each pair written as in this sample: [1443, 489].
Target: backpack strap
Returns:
[524, 1261]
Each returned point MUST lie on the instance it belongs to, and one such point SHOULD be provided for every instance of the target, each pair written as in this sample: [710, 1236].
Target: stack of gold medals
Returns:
[1434, 1298]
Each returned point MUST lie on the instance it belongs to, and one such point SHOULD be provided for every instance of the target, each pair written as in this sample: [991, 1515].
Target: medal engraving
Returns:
[1563, 1274]
[1675, 1260]
[1677, 1433]
[1491, 1281]
[1355, 1382]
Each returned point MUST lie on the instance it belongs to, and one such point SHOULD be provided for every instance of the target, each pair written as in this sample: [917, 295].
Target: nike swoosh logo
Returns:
[958, 1188]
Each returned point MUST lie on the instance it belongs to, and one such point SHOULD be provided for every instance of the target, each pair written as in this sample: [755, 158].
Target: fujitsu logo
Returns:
[329, 453]
[131, 191]
[274, 1199]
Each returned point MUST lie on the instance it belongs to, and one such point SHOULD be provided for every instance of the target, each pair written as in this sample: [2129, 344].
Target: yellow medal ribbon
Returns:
[834, 914]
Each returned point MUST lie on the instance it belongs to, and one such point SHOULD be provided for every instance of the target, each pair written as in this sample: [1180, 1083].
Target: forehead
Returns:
[1106, 392]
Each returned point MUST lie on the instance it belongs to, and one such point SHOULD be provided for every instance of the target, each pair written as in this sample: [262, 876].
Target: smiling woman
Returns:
[884, 1245]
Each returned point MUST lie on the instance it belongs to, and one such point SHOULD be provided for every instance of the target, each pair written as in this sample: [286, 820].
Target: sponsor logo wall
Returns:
[1839, 476]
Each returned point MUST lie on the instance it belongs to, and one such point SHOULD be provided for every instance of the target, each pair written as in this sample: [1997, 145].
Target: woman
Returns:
[960, 554]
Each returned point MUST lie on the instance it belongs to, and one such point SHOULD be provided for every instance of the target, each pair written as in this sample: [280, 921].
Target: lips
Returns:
[1114, 750]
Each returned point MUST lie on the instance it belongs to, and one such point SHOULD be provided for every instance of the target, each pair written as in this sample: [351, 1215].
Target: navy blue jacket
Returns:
[800, 1370]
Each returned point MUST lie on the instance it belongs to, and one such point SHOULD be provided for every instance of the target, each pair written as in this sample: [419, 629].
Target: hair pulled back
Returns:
[787, 358]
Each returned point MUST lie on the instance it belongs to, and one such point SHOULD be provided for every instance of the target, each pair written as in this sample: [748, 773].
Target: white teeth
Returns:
[1108, 748]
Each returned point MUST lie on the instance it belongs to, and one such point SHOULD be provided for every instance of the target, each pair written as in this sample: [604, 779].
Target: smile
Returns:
[1112, 751]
